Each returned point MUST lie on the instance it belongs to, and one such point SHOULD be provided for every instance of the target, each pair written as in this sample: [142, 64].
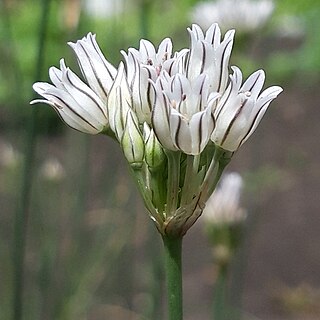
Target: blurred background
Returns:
[75, 240]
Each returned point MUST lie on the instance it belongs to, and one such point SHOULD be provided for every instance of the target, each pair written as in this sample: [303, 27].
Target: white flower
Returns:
[98, 72]
[241, 108]
[243, 15]
[182, 115]
[223, 207]
[103, 9]
[210, 55]
[145, 64]
[158, 102]
[119, 102]
[83, 107]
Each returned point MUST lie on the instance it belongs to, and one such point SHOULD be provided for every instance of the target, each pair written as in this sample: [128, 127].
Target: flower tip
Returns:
[39, 87]
[89, 36]
[230, 34]
[277, 90]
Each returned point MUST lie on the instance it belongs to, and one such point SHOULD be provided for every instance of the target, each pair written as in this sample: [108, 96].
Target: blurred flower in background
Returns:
[223, 207]
[224, 226]
[243, 15]
[9, 156]
[103, 9]
[52, 170]
[290, 26]
[223, 218]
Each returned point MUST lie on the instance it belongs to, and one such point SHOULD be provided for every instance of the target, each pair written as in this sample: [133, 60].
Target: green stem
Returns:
[173, 271]
[220, 160]
[147, 196]
[220, 311]
[23, 207]
[190, 184]
[173, 181]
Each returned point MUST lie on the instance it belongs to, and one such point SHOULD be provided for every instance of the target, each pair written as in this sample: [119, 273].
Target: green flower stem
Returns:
[158, 190]
[173, 271]
[220, 308]
[190, 185]
[220, 160]
[173, 181]
[146, 195]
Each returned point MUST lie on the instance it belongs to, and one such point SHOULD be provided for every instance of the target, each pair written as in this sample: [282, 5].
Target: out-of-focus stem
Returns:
[23, 209]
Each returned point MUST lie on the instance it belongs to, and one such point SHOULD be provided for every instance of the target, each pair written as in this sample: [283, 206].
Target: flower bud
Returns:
[132, 141]
[154, 154]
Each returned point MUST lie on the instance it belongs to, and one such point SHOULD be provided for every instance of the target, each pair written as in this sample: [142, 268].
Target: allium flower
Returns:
[243, 15]
[241, 108]
[81, 106]
[178, 116]
[146, 64]
[182, 113]
[223, 207]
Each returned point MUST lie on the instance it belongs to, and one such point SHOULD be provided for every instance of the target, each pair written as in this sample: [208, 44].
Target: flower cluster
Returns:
[178, 116]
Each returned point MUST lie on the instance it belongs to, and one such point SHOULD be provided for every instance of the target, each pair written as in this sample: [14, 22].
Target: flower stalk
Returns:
[173, 182]
[220, 306]
[173, 272]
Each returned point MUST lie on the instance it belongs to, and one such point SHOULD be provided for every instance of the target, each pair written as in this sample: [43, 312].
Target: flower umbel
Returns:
[178, 116]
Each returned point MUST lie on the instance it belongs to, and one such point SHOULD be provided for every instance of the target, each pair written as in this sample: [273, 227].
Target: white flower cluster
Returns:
[177, 113]
[186, 98]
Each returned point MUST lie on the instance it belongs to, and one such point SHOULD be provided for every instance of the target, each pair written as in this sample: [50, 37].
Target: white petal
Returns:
[56, 77]
[147, 50]
[223, 53]
[119, 101]
[261, 107]
[165, 50]
[201, 127]
[84, 96]
[254, 84]
[213, 35]
[64, 100]
[98, 71]
[160, 117]
[180, 132]
[68, 109]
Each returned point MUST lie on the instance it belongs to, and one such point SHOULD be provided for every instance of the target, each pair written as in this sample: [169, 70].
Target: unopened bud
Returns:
[154, 154]
[132, 141]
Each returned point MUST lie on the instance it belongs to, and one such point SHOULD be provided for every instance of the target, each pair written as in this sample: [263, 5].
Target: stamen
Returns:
[158, 70]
